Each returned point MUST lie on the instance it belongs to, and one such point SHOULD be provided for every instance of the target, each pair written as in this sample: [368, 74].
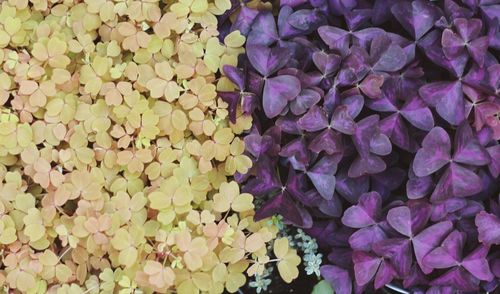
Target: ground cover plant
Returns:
[375, 130]
[117, 156]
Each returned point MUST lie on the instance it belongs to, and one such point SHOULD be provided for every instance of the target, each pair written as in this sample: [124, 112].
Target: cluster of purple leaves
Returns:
[376, 128]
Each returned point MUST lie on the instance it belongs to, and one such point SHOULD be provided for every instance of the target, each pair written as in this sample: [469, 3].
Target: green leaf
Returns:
[323, 287]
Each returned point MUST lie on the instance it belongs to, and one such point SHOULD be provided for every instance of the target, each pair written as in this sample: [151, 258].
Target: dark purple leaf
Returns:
[453, 44]
[488, 226]
[392, 59]
[416, 17]
[365, 266]
[266, 180]
[233, 99]
[298, 149]
[328, 141]
[458, 279]
[367, 165]
[429, 239]
[447, 98]
[326, 63]
[418, 187]
[477, 264]
[331, 207]
[336, 39]
[306, 19]
[342, 121]
[394, 128]
[340, 7]
[431, 46]
[398, 251]
[354, 104]
[457, 181]
[380, 144]
[364, 238]
[313, 120]
[467, 148]
[494, 166]
[351, 188]
[385, 274]
[371, 85]
[267, 60]
[365, 213]
[357, 17]
[418, 114]
[263, 30]
[244, 21]
[364, 131]
[447, 255]
[338, 277]
[291, 212]
[322, 175]
[441, 210]
[278, 91]
[434, 154]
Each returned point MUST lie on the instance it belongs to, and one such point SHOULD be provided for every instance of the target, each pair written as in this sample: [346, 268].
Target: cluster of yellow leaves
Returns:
[116, 153]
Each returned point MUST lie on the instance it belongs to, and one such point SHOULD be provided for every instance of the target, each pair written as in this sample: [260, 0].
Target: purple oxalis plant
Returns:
[375, 129]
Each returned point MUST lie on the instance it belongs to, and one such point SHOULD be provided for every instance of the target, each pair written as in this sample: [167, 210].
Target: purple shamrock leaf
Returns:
[466, 38]
[413, 110]
[292, 212]
[322, 175]
[429, 239]
[447, 98]
[349, 188]
[365, 216]
[408, 221]
[265, 144]
[236, 98]
[305, 100]
[370, 143]
[306, 20]
[357, 18]
[441, 210]
[416, 17]
[278, 92]
[468, 150]
[477, 264]
[398, 251]
[368, 267]
[418, 187]
[265, 181]
[371, 86]
[327, 64]
[386, 55]
[244, 21]
[340, 7]
[354, 67]
[338, 277]
[335, 38]
[488, 226]
[452, 11]
[458, 279]
[430, 44]
[263, 31]
[494, 166]
[267, 60]
[456, 180]
[297, 154]
[366, 213]
[449, 254]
